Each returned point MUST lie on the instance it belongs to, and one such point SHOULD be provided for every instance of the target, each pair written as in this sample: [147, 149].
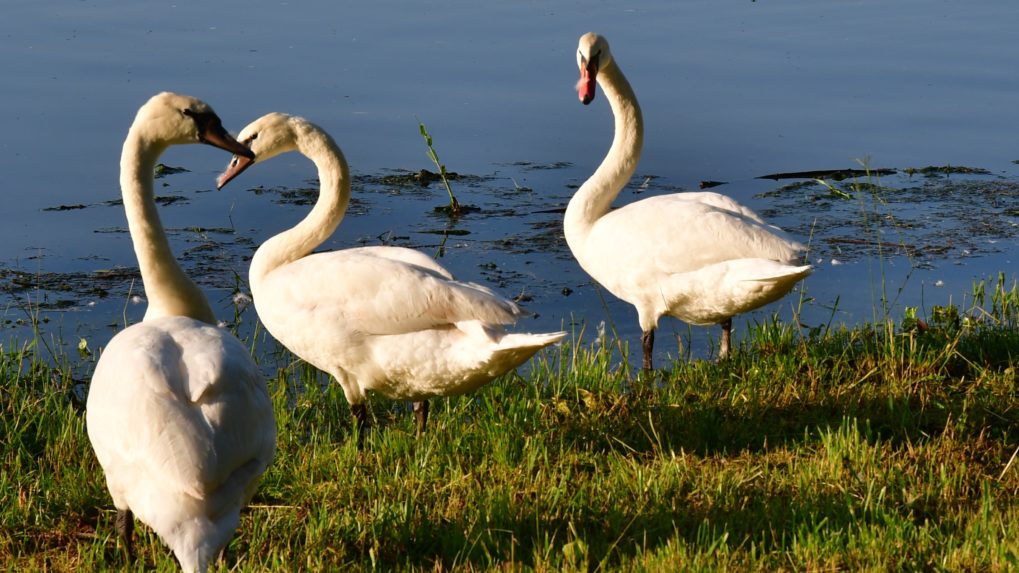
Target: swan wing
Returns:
[719, 201]
[672, 234]
[403, 254]
[417, 258]
[378, 295]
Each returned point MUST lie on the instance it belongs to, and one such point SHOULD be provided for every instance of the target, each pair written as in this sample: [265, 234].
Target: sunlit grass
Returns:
[883, 447]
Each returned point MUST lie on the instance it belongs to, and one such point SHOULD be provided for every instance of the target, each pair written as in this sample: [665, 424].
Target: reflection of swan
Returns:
[178, 414]
[700, 257]
[386, 319]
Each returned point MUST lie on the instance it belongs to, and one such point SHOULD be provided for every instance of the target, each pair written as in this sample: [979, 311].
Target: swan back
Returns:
[181, 421]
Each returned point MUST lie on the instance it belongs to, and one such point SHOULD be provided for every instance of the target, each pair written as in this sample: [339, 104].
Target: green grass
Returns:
[881, 448]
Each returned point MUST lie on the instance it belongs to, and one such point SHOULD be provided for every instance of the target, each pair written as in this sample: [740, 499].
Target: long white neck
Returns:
[325, 216]
[169, 291]
[595, 196]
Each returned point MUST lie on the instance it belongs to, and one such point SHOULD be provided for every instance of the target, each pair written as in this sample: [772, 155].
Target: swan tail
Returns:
[512, 350]
[528, 340]
[772, 271]
[198, 540]
[239, 487]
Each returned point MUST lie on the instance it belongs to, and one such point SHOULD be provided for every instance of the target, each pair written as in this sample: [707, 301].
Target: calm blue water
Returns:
[729, 91]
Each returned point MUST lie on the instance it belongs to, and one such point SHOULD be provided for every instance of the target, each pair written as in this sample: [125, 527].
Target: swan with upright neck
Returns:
[178, 414]
[383, 319]
[700, 257]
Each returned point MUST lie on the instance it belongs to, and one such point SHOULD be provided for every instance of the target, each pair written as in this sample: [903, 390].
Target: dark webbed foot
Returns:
[647, 343]
[360, 412]
[125, 528]
[723, 350]
[221, 556]
[421, 416]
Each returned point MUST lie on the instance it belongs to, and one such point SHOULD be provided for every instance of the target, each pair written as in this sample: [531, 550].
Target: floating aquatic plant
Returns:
[454, 205]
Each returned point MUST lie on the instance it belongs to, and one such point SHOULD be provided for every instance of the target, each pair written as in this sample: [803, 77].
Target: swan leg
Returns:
[647, 343]
[723, 350]
[125, 528]
[421, 415]
[360, 412]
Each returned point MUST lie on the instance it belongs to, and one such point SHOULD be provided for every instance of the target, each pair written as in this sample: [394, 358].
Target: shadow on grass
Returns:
[948, 408]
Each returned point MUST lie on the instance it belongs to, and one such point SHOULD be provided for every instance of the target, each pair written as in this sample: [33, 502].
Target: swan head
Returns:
[172, 119]
[592, 55]
[265, 138]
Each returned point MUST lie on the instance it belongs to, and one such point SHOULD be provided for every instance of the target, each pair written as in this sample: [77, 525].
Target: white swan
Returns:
[385, 319]
[178, 414]
[700, 257]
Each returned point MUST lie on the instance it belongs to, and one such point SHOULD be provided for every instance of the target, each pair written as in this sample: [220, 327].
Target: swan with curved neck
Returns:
[167, 120]
[178, 414]
[700, 257]
[384, 319]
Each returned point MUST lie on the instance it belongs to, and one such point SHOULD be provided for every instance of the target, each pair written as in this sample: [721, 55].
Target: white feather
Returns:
[178, 414]
[383, 319]
[700, 257]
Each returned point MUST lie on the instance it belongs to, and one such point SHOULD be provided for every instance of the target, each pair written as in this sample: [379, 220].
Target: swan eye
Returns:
[205, 121]
[594, 58]
[202, 119]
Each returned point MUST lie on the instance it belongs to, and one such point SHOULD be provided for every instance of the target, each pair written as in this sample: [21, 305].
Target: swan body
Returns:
[383, 319]
[177, 413]
[181, 422]
[700, 257]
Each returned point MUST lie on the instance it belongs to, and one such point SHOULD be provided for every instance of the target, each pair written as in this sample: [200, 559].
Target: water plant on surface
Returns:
[454, 205]
[875, 219]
